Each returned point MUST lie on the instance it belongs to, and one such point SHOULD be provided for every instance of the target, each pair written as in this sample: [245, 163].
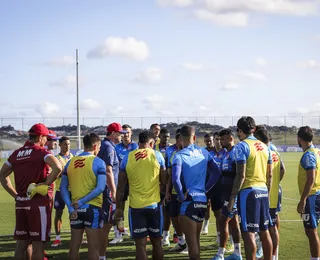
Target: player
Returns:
[228, 218]
[164, 138]
[275, 191]
[52, 139]
[85, 174]
[155, 128]
[109, 156]
[30, 164]
[125, 146]
[143, 169]
[251, 184]
[64, 156]
[191, 165]
[309, 189]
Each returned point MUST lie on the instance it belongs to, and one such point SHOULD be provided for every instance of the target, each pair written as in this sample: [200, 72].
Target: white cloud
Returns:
[117, 111]
[150, 75]
[68, 83]
[261, 61]
[155, 101]
[90, 104]
[224, 19]
[253, 75]
[122, 47]
[47, 109]
[61, 61]
[192, 66]
[310, 64]
[176, 3]
[230, 86]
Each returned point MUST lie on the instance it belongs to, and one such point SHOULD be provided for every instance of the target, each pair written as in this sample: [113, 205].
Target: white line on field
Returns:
[290, 220]
[290, 199]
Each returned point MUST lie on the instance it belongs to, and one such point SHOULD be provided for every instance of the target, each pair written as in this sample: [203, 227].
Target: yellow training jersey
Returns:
[82, 178]
[256, 156]
[63, 161]
[143, 171]
[309, 160]
[276, 169]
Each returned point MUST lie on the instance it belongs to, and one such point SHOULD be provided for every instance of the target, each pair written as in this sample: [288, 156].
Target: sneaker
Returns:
[56, 243]
[166, 241]
[175, 240]
[116, 240]
[234, 257]
[218, 257]
[185, 251]
[84, 241]
[259, 253]
[126, 232]
[229, 248]
[178, 248]
[204, 231]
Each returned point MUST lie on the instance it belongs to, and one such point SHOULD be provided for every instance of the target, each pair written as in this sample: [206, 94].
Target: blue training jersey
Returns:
[170, 150]
[122, 150]
[193, 161]
[228, 167]
[218, 156]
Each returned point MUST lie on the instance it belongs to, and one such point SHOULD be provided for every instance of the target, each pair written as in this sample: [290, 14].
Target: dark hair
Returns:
[305, 133]
[208, 135]
[164, 131]
[63, 138]
[246, 124]
[215, 134]
[145, 137]
[33, 138]
[262, 135]
[187, 131]
[258, 127]
[126, 126]
[153, 125]
[178, 133]
[270, 137]
[226, 131]
[90, 139]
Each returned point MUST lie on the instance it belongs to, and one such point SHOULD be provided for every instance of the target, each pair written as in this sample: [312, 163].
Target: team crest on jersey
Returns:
[141, 155]
[79, 163]
[258, 146]
[275, 158]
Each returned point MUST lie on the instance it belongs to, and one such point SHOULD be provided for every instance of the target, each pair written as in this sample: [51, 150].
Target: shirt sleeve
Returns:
[124, 162]
[176, 174]
[65, 169]
[160, 159]
[309, 161]
[241, 153]
[134, 146]
[99, 166]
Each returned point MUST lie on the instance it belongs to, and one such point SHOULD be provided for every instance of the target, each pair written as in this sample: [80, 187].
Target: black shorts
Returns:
[146, 221]
[90, 217]
[58, 201]
[194, 210]
[215, 196]
[108, 207]
[174, 206]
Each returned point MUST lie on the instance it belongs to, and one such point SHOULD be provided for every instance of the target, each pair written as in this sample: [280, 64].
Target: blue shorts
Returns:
[274, 211]
[174, 206]
[58, 201]
[311, 214]
[108, 207]
[195, 210]
[215, 196]
[226, 193]
[253, 209]
[88, 217]
[146, 221]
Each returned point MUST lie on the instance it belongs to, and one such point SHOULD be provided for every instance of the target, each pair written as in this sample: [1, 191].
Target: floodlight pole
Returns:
[78, 106]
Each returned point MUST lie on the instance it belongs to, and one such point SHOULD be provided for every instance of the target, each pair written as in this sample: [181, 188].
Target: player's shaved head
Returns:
[262, 135]
[246, 124]
[187, 132]
[89, 140]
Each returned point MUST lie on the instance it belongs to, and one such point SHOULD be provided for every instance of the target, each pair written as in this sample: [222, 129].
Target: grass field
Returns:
[293, 242]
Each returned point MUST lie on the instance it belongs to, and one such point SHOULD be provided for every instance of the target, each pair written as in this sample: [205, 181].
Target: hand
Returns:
[301, 206]
[118, 214]
[73, 215]
[77, 204]
[230, 204]
[185, 196]
[113, 197]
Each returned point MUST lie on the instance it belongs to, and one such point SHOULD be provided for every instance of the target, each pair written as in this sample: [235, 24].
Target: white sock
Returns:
[274, 257]
[206, 223]
[314, 258]
[231, 240]
[181, 240]
[277, 253]
[237, 249]
[166, 234]
[116, 231]
[58, 237]
[102, 257]
[221, 251]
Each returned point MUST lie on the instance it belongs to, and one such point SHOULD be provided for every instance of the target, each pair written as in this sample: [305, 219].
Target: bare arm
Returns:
[269, 176]
[163, 176]
[239, 179]
[169, 184]
[56, 167]
[5, 172]
[121, 189]
[282, 170]
[110, 181]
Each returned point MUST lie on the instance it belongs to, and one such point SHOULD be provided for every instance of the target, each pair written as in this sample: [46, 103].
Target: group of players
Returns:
[166, 184]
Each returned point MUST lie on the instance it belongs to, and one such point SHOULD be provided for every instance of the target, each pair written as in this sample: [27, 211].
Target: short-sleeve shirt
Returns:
[122, 149]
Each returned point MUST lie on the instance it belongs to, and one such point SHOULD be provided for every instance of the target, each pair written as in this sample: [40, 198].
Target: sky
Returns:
[160, 59]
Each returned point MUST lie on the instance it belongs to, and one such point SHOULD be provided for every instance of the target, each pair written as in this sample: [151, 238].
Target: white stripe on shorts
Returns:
[43, 219]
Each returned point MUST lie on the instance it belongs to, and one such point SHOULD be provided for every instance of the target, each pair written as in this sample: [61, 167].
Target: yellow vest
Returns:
[143, 171]
[63, 161]
[256, 165]
[302, 175]
[82, 179]
[276, 168]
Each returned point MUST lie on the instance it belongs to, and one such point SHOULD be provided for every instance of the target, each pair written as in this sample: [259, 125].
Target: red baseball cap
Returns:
[115, 127]
[53, 135]
[39, 129]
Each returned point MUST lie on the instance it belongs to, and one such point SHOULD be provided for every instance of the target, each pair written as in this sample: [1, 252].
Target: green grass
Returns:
[293, 242]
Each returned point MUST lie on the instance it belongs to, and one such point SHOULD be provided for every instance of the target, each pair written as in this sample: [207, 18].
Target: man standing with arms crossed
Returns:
[30, 164]
[109, 156]
[85, 174]
[64, 156]
[143, 168]
[309, 188]
[251, 185]
[192, 164]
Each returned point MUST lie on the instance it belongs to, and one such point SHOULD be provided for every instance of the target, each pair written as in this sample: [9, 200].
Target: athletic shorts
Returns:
[146, 221]
[194, 210]
[215, 196]
[32, 222]
[311, 214]
[88, 217]
[273, 217]
[58, 201]
[108, 207]
[253, 209]
[226, 193]
[174, 206]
